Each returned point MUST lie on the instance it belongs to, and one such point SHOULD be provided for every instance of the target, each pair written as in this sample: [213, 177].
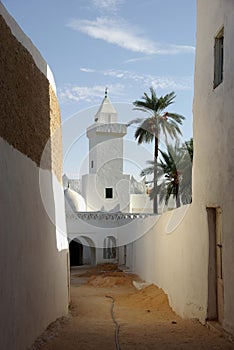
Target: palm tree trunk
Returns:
[155, 203]
[177, 197]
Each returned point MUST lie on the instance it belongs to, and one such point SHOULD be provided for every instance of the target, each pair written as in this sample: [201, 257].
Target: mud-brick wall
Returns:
[33, 244]
[29, 109]
[56, 135]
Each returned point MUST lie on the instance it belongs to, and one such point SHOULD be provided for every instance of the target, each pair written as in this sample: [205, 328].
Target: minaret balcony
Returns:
[113, 128]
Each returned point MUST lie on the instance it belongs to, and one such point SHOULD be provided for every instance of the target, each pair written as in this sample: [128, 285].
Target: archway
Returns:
[109, 248]
[76, 253]
[89, 250]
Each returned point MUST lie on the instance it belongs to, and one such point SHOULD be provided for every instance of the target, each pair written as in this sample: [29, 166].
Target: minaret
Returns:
[106, 113]
[106, 187]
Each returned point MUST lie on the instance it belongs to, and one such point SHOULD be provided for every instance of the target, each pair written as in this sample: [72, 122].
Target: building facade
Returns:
[100, 204]
[189, 252]
[213, 138]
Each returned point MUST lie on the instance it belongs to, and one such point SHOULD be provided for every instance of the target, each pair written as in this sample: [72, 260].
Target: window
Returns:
[91, 163]
[109, 192]
[218, 58]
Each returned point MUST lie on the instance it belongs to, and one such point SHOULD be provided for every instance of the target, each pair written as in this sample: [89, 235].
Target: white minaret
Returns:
[106, 188]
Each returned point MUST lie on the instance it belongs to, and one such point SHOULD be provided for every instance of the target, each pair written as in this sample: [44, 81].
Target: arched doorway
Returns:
[109, 248]
[76, 253]
[89, 256]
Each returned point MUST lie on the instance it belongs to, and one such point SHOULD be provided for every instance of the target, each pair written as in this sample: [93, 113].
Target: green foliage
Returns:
[174, 170]
[188, 146]
[157, 122]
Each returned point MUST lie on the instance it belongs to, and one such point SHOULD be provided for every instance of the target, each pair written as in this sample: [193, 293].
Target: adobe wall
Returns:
[174, 254]
[33, 242]
[214, 132]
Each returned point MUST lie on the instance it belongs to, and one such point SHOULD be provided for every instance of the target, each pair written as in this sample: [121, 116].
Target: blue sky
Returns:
[126, 45]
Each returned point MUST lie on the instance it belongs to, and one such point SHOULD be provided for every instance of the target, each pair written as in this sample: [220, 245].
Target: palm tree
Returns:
[169, 173]
[188, 146]
[174, 170]
[186, 185]
[158, 122]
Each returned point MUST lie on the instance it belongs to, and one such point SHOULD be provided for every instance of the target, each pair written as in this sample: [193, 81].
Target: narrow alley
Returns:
[143, 316]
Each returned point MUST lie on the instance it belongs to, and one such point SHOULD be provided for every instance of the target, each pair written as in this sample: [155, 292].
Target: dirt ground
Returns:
[144, 317]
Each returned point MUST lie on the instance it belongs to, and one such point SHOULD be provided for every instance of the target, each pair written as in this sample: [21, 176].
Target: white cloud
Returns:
[123, 90]
[137, 59]
[92, 94]
[120, 33]
[114, 32]
[130, 79]
[107, 5]
[123, 74]
[87, 70]
[172, 83]
[158, 82]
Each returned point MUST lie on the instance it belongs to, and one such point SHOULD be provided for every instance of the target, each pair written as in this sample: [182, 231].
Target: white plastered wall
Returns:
[178, 262]
[214, 132]
[33, 258]
[106, 169]
[173, 254]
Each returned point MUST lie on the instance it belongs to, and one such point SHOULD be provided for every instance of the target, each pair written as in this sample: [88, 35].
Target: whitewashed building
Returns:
[106, 188]
[99, 205]
[190, 251]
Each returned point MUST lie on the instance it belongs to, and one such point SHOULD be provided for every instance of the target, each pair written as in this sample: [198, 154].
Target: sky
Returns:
[125, 45]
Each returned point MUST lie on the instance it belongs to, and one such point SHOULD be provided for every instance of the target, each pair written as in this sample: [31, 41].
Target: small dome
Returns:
[74, 201]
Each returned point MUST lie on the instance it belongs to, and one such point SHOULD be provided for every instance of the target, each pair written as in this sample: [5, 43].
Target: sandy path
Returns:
[145, 318]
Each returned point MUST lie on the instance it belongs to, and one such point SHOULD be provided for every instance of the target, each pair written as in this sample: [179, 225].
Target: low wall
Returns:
[174, 255]
[33, 263]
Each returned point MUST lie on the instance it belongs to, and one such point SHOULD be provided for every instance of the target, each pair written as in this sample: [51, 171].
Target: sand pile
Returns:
[150, 297]
[98, 270]
[108, 267]
[110, 279]
[86, 274]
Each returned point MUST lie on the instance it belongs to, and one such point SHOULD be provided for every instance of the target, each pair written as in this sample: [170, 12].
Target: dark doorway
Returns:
[76, 253]
[215, 276]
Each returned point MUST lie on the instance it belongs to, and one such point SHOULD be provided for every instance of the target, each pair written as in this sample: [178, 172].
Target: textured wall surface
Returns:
[33, 241]
[56, 135]
[25, 100]
[29, 109]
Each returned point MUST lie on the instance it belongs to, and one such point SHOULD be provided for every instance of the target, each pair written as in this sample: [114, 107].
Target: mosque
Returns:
[106, 188]
[104, 191]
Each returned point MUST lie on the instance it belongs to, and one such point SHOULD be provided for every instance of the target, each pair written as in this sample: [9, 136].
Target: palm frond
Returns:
[147, 171]
[176, 117]
[135, 121]
[165, 101]
[143, 135]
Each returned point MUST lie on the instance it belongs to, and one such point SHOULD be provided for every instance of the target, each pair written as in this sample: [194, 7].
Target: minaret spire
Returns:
[106, 113]
[106, 89]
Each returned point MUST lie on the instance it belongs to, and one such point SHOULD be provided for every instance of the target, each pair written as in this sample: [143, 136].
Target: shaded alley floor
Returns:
[146, 321]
